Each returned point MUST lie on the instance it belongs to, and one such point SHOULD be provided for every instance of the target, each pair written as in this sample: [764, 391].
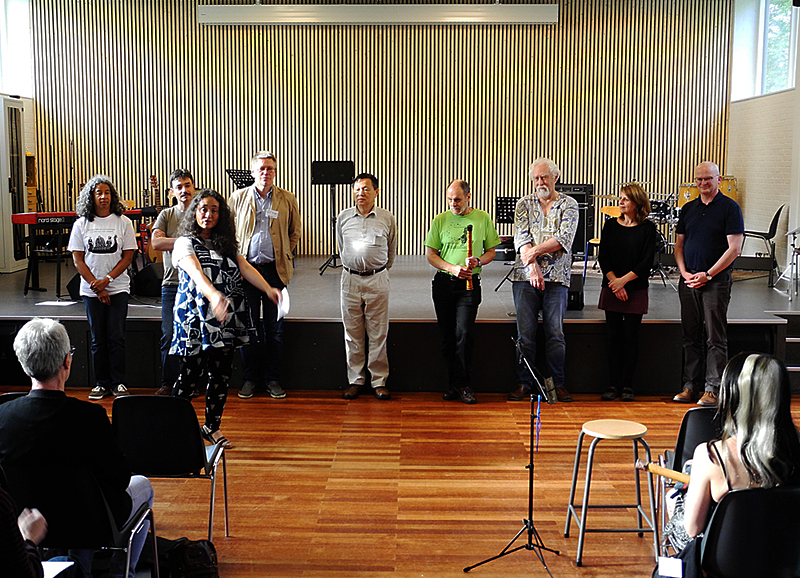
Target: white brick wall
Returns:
[760, 140]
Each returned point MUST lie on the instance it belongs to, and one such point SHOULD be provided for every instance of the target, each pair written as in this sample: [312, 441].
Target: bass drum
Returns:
[688, 192]
[727, 185]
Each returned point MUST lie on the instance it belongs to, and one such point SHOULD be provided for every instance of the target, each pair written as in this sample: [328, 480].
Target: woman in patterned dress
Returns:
[211, 317]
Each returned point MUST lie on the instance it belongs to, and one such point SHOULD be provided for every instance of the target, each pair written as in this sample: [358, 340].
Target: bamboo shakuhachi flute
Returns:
[469, 253]
[659, 471]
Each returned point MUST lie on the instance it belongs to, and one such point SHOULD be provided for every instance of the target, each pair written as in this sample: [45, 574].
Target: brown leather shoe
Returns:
[352, 392]
[685, 396]
[563, 395]
[164, 390]
[709, 399]
[520, 393]
[382, 393]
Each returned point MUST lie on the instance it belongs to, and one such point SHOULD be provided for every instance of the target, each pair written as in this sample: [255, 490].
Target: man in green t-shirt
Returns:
[457, 283]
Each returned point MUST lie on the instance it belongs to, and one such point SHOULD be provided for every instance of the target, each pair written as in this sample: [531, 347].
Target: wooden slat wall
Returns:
[617, 90]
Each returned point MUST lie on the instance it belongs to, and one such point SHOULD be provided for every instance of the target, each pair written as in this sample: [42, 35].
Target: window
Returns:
[764, 47]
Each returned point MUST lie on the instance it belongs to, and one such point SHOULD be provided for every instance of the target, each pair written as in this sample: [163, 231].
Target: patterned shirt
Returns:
[532, 226]
[195, 328]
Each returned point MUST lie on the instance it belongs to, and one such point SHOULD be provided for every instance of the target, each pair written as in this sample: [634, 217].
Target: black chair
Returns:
[77, 513]
[160, 438]
[767, 238]
[754, 532]
[11, 396]
[697, 427]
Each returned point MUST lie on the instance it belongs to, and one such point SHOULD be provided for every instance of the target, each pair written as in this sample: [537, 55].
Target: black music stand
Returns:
[242, 178]
[504, 208]
[535, 542]
[332, 173]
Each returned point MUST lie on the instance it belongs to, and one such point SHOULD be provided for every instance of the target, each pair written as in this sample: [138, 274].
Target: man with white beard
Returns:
[544, 227]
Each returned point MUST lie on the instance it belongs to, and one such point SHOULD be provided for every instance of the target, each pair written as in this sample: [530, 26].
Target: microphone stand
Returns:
[535, 542]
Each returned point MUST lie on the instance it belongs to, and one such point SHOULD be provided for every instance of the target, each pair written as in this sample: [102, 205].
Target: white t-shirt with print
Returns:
[103, 240]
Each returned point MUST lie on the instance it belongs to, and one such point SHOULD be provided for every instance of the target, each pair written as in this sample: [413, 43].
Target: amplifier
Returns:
[584, 195]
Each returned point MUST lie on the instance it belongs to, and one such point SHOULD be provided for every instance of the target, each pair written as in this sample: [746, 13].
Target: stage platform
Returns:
[314, 347]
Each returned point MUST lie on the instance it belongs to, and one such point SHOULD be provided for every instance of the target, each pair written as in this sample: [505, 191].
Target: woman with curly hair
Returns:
[102, 242]
[211, 317]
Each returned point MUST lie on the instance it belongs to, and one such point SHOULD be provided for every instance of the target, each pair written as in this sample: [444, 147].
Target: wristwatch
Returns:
[111, 279]
[709, 275]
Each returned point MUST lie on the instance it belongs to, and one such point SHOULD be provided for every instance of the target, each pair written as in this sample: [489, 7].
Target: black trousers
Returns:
[456, 310]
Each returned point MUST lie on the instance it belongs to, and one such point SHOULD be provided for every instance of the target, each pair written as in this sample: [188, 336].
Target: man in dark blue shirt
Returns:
[710, 234]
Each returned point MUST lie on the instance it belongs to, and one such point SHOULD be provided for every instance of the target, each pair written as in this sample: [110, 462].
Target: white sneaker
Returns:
[98, 393]
[119, 390]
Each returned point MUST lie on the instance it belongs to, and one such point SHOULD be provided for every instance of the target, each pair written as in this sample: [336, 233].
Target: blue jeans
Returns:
[262, 360]
[456, 309]
[704, 324]
[552, 302]
[107, 323]
[140, 490]
[170, 364]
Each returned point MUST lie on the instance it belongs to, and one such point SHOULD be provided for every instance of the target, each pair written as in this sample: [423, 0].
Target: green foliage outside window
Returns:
[777, 57]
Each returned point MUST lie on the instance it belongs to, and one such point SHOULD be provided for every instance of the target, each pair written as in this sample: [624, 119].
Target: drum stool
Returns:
[611, 429]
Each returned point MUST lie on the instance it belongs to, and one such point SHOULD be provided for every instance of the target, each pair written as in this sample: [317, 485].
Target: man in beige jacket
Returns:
[268, 229]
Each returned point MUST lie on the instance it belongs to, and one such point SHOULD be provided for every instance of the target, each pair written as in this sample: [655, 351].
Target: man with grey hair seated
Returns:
[47, 428]
[544, 228]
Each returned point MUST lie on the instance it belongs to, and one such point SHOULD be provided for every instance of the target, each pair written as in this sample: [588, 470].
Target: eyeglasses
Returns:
[72, 351]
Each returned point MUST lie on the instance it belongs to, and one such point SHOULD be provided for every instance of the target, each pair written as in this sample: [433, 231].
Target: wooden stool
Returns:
[611, 429]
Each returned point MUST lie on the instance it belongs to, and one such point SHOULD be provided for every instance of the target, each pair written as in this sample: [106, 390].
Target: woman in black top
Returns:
[627, 250]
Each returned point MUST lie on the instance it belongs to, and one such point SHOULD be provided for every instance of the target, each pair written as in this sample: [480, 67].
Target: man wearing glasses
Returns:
[710, 235]
[268, 229]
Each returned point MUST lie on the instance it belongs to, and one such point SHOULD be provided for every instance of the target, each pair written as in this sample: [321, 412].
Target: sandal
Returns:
[627, 394]
[208, 435]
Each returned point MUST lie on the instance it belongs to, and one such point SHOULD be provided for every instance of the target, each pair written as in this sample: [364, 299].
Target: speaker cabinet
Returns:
[582, 194]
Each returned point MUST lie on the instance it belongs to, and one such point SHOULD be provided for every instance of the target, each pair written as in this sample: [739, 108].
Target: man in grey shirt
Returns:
[165, 230]
[367, 238]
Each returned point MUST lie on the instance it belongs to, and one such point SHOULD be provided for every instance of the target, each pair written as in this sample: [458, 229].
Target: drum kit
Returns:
[665, 213]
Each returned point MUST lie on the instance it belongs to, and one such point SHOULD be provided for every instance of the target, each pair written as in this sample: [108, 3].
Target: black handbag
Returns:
[193, 559]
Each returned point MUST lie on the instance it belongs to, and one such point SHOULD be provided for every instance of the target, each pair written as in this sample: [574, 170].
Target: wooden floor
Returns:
[412, 487]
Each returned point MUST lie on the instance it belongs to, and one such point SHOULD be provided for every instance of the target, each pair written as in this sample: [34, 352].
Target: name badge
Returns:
[272, 213]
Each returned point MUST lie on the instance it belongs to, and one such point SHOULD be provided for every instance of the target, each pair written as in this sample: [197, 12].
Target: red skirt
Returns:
[637, 301]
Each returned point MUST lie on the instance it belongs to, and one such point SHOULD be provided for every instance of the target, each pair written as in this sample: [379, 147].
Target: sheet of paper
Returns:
[283, 308]
[670, 567]
[57, 303]
[53, 568]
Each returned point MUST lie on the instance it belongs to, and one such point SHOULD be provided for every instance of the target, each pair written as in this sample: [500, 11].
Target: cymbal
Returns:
[609, 197]
[634, 181]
